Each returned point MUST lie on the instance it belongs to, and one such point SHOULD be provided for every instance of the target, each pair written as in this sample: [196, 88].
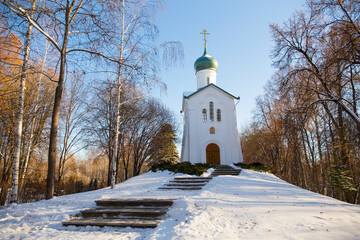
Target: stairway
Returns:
[135, 213]
[225, 170]
[186, 183]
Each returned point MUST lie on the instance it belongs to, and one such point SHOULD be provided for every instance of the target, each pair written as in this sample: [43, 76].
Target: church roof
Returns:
[213, 85]
[205, 62]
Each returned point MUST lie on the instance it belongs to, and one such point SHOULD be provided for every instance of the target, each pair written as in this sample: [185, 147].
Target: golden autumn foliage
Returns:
[10, 59]
[67, 42]
[10, 64]
[307, 125]
[37, 110]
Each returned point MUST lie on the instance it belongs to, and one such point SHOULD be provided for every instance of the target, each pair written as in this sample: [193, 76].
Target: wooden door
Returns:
[212, 154]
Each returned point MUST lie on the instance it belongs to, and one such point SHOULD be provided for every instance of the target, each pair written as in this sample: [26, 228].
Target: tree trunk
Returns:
[50, 182]
[110, 163]
[321, 161]
[31, 143]
[118, 98]
[19, 121]
[116, 134]
[109, 147]
[4, 192]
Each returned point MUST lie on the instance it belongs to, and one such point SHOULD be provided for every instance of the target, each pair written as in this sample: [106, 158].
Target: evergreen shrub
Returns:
[184, 167]
[256, 166]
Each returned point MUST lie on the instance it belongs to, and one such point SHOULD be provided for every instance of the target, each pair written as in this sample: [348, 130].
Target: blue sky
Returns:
[239, 39]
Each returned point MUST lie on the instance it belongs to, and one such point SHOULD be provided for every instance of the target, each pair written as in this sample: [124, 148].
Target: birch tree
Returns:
[69, 18]
[33, 139]
[10, 66]
[132, 49]
[19, 122]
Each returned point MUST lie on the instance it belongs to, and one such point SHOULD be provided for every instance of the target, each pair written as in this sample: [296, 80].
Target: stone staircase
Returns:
[135, 213]
[196, 183]
[141, 213]
[225, 170]
[186, 183]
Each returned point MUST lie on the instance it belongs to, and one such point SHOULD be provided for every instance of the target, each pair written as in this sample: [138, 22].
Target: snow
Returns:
[187, 93]
[252, 205]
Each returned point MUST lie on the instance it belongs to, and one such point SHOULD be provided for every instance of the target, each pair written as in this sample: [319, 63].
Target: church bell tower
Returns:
[210, 129]
[205, 67]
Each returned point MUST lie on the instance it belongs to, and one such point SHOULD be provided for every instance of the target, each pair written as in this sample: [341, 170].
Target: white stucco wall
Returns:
[196, 135]
[203, 75]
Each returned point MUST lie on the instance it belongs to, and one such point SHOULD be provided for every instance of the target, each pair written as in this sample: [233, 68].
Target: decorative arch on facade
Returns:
[211, 111]
[218, 115]
[204, 115]
[212, 154]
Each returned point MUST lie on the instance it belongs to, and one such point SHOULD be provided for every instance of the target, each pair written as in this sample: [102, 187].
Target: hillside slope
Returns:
[252, 205]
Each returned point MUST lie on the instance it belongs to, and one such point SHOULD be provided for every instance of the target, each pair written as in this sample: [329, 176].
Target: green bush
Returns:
[184, 167]
[256, 166]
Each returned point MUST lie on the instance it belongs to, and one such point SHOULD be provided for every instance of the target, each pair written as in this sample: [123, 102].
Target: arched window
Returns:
[211, 107]
[218, 115]
[208, 80]
[212, 130]
[204, 115]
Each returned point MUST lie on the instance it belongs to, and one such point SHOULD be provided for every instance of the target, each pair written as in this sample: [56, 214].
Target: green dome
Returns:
[205, 62]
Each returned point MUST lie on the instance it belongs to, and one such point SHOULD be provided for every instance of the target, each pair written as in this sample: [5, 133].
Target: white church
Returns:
[210, 129]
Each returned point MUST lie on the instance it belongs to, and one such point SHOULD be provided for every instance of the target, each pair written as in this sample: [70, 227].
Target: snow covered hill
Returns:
[252, 205]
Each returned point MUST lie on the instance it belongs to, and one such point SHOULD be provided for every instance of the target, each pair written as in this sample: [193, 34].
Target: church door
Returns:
[212, 154]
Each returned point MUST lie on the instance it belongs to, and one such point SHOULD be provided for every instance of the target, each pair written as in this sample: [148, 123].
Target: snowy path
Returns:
[249, 206]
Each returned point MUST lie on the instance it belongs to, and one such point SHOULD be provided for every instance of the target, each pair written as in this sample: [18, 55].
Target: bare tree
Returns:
[298, 50]
[32, 139]
[306, 124]
[135, 55]
[69, 20]
[19, 122]
[72, 119]
[36, 114]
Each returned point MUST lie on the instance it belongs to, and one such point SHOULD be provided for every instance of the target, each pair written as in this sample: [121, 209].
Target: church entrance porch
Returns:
[212, 154]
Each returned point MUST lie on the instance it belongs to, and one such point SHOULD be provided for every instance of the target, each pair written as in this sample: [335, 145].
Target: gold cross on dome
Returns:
[204, 32]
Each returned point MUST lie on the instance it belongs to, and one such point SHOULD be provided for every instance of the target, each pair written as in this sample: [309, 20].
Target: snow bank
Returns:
[252, 205]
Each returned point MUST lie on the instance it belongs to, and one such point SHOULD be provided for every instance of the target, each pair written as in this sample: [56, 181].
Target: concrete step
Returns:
[185, 184]
[193, 178]
[224, 167]
[180, 188]
[224, 170]
[229, 173]
[189, 181]
[123, 212]
[118, 202]
[232, 174]
[102, 222]
[232, 169]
